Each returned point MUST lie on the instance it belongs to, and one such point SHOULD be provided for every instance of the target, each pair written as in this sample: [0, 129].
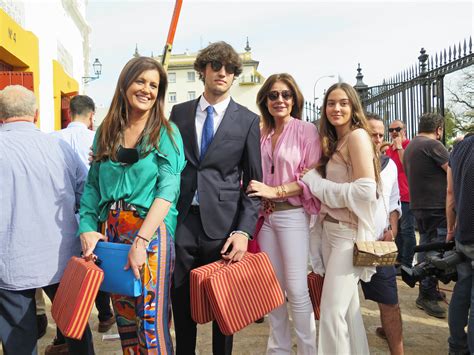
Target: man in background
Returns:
[405, 240]
[43, 181]
[80, 137]
[460, 221]
[425, 162]
[382, 287]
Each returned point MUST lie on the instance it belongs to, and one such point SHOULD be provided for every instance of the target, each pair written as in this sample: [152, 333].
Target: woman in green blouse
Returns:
[132, 188]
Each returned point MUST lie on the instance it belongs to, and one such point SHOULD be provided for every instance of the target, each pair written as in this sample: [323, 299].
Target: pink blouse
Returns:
[297, 148]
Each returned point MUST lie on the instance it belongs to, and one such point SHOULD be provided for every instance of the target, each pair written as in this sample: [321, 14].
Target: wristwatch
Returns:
[249, 237]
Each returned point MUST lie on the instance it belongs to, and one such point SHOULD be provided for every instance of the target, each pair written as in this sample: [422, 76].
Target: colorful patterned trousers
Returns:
[144, 322]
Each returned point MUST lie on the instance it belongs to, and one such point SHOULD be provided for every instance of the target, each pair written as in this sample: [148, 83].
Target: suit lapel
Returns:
[224, 127]
[190, 129]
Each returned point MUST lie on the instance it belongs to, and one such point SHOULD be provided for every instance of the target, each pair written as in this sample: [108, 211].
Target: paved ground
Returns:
[422, 334]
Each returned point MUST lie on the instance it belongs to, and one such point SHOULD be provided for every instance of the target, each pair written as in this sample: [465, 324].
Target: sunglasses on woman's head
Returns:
[229, 68]
[396, 129]
[285, 94]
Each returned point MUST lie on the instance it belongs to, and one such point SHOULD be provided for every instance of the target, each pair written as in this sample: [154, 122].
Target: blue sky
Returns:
[307, 39]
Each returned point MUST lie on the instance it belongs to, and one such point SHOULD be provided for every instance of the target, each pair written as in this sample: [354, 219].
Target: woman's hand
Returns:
[305, 170]
[136, 257]
[89, 241]
[259, 189]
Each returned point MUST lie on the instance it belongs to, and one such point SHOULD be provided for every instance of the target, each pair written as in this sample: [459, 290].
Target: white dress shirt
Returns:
[390, 199]
[79, 137]
[201, 114]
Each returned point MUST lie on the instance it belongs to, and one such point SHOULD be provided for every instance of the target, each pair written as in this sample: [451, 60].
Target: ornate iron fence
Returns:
[310, 112]
[416, 90]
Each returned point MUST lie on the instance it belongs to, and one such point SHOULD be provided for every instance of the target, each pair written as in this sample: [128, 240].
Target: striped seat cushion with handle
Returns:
[242, 292]
[200, 307]
[75, 296]
[315, 285]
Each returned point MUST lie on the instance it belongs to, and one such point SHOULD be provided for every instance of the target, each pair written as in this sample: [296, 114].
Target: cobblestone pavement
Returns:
[422, 334]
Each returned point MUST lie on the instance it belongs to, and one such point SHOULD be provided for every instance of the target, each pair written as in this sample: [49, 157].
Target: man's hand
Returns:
[89, 241]
[449, 236]
[397, 143]
[91, 156]
[259, 189]
[239, 243]
[136, 257]
[388, 236]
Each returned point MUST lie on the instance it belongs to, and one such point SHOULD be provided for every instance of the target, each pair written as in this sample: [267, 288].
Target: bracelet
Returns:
[241, 232]
[281, 191]
[143, 238]
[278, 188]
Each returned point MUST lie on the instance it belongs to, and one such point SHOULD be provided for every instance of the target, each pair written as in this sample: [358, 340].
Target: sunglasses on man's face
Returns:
[285, 95]
[396, 129]
[229, 68]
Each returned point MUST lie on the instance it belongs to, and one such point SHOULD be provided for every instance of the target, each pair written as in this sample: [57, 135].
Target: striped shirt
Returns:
[41, 182]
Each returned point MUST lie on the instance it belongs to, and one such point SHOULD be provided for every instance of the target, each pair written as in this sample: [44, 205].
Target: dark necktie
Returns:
[207, 131]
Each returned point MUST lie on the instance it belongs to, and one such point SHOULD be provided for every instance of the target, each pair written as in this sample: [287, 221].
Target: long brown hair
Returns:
[268, 122]
[328, 134]
[111, 130]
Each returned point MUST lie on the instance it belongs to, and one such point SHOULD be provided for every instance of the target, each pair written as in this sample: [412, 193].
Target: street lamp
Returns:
[314, 87]
[97, 66]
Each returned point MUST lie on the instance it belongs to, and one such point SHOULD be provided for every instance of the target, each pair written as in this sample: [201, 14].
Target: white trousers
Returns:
[285, 238]
[341, 328]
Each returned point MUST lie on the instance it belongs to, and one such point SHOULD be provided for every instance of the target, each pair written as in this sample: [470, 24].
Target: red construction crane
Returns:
[169, 42]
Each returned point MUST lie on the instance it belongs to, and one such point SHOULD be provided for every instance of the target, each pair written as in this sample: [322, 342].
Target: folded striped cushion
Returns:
[242, 292]
[315, 285]
[200, 307]
[75, 296]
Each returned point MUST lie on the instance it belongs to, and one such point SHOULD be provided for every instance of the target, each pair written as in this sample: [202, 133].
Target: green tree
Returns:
[461, 104]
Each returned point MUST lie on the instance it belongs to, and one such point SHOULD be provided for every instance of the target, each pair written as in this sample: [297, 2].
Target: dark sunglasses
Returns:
[285, 95]
[229, 68]
[396, 129]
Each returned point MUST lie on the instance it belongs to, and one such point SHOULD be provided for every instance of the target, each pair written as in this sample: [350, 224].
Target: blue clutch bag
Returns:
[112, 257]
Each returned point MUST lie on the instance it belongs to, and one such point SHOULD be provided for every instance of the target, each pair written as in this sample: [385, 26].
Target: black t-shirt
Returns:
[422, 162]
[461, 163]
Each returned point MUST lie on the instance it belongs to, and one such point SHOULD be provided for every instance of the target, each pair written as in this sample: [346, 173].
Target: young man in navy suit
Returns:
[216, 217]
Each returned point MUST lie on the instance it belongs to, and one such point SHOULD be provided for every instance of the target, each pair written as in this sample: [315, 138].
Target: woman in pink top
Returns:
[288, 146]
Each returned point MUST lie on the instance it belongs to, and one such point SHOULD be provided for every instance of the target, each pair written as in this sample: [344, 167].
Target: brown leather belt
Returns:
[284, 206]
[328, 218]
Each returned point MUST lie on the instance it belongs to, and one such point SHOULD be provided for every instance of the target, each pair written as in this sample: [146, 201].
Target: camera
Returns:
[441, 264]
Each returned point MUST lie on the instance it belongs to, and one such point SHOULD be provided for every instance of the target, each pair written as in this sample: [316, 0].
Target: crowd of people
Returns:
[187, 191]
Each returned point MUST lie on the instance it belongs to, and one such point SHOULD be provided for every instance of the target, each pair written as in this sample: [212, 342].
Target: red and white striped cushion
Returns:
[315, 285]
[200, 307]
[243, 292]
[75, 296]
